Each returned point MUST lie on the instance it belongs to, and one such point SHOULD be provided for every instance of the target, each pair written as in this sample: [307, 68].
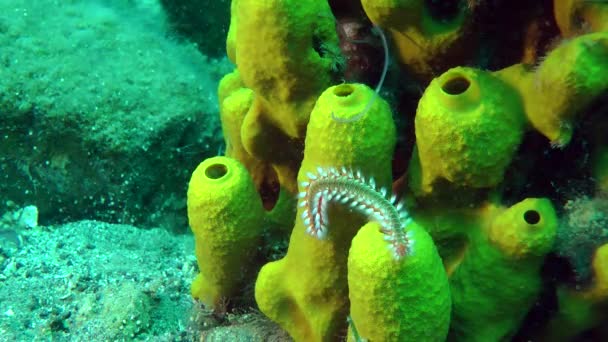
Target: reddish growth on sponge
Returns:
[353, 190]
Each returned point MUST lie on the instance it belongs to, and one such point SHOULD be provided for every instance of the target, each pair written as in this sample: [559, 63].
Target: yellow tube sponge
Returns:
[567, 81]
[235, 101]
[279, 48]
[599, 291]
[397, 300]
[278, 61]
[584, 307]
[424, 42]
[226, 217]
[306, 292]
[231, 36]
[574, 17]
[468, 126]
[499, 277]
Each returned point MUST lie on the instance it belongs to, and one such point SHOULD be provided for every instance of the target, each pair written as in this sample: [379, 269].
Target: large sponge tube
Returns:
[226, 216]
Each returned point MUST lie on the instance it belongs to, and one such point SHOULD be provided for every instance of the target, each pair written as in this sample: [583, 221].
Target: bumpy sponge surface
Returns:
[226, 216]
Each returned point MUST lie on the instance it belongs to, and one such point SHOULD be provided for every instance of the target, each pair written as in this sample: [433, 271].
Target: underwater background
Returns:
[247, 170]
